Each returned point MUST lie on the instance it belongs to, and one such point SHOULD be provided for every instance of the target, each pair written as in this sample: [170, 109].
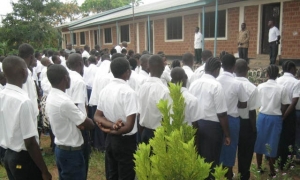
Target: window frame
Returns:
[166, 30]
[81, 39]
[120, 33]
[111, 34]
[226, 26]
[74, 38]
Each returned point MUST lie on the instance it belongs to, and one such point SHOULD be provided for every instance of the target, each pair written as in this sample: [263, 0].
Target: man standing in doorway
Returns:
[198, 45]
[69, 49]
[274, 41]
[243, 42]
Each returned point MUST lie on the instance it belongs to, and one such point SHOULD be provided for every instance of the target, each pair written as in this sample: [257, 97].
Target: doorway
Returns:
[150, 45]
[270, 11]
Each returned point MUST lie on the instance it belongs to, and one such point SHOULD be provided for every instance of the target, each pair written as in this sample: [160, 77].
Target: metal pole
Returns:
[99, 36]
[216, 29]
[118, 42]
[149, 47]
[203, 29]
[134, 35]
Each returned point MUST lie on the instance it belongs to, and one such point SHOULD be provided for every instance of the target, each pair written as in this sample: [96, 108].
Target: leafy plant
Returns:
[171, 154]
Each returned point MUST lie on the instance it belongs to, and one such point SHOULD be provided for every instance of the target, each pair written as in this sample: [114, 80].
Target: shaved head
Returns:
[15, 69]
[56, 73]
[45, 61]
[241, 67]
[178, 75]
[75, 63]
[156, 66]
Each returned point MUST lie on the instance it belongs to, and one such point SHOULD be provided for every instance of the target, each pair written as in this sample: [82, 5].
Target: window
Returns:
[107, 36]
[210, 24]
[174, 28]
[82, 38]
[125, 33]
[74, 39]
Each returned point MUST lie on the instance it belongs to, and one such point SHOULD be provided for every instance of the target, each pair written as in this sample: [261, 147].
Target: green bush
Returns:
[171, 154]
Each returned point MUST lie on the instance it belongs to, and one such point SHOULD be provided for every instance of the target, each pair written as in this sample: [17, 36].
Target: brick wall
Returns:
[291, 30]
[229, 45]
[251, 16]
[142, 36]
[177, 47]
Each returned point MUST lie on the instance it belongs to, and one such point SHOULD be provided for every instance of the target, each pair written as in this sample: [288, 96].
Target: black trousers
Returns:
[198, 55]
[246, 144]
[20, 166]
[119, 154]
[147, 134]
[243, 54]
[287, 138]
[86, 148]
[273, 52]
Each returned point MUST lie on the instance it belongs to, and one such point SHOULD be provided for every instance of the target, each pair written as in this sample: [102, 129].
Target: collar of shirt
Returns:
[271, 81]
[208, 76]
[155, 79]
[183, 89]
[186, 67]
[288, 74]
[225, 73]
[58, 91]
[241, 78]
[117, 80]
[15, 88]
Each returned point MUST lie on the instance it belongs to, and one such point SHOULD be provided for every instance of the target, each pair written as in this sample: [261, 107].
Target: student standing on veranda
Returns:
[116, 112]
[18, 134]
[274, 41]
[273, 100]
[235, 97]
[198, 45]
[243, 42]
[66, 120]
[188, 63]
[247, 135]
[287, 137]
[150, 93]
[192, 112]
[213, 124]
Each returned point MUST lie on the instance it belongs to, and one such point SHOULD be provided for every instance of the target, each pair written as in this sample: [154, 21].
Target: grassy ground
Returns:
[96, 168]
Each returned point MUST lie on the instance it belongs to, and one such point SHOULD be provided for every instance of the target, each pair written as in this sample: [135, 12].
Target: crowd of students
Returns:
[108, 100]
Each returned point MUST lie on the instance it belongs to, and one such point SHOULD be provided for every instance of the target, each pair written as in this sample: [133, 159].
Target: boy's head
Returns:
[75, 63]
[290, 67]
[213, 66]
[133, 63]
[241, 68]
[58, 76]
[120, 68]
[228, 62]
[273, 71]
[15, 70]
[156, 66]
[56, 59]
[188, 59]
[26, 52]
[178, 75]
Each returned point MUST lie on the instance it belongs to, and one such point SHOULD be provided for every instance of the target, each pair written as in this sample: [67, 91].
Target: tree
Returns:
[97, 6]
[30, 22]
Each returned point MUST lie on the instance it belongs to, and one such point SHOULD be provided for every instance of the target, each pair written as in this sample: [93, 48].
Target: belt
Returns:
[68, 148]
[272, 42]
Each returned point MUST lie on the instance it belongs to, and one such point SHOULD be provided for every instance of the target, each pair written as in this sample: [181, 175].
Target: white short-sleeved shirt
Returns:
[192, 112]
[99, 84]
[198, 73]
[118, 101]
[64, 117]
[189, 72]
[291, 84]
[273, 34]
[46, 85]
[137, 69]
[135, 81]
[17, 118]
[30, 88]
[165, 78]
[91, 74]
[118, 49]
[198, 41]
[78, 91]
[210, 95]
[150, 93]
[234, 92]
[143, 73]
[270, 97]
[43, 73]
[167, 69]
[39, 68]
[85, 54]
[251, 90]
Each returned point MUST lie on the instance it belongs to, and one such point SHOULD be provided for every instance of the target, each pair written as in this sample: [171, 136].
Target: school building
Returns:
[169, 26]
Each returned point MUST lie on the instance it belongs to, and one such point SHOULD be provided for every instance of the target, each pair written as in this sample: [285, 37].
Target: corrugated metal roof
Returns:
[159, 7]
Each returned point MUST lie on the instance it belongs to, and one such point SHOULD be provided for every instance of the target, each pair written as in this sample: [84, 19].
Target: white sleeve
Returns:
[252, 103]
[277, 32]
[285, 96]
[296, 90]
[70, 111]
[130, 101]
[219, 100]
[28, 121]
[194, 111]
[79, 93]
[242, 94]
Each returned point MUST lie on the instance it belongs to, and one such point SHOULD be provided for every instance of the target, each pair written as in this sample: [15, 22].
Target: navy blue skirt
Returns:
[268, 134]
[228, 153]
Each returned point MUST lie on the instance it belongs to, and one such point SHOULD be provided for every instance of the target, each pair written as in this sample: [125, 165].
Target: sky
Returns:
[7, 8]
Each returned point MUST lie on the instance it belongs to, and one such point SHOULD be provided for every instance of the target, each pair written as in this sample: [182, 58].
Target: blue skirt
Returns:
[268, 134]
[228, 153]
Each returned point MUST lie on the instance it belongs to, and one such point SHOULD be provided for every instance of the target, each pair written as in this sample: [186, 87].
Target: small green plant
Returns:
[171, 154]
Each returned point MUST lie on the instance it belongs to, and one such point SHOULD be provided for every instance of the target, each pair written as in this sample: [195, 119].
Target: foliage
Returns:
[171, 154]
[4, 48]
[97, 6]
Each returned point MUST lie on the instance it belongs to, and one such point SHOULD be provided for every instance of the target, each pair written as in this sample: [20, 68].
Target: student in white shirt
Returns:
[198, 45]
[2, 81]
[247, 135]
[134, 80]
[144, 71]
[18, 127]
[274, 41]
[56, 59]
[150, 93]
[86, 52]
[165, 77]
[26, 52]
[188, 63]
[297, 136]
[235, 97]
[137, 57]
[213, 123]
[206, 54]
[192, 113]
[78, 94]
[287, 137]
[116, 112]
[66, 120]
[273, 100]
